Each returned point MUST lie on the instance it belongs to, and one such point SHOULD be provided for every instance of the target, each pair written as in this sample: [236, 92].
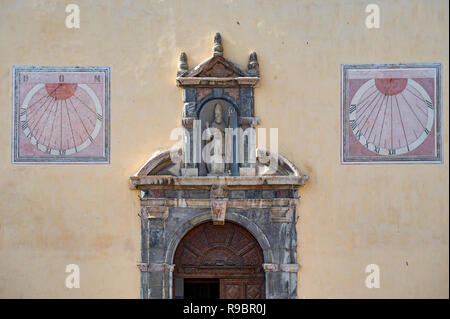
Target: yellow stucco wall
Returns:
[393, 215]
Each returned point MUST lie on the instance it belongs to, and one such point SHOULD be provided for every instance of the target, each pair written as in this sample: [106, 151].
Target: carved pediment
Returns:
[218, 70]
[217, 66]
[267, 165]
[160, 169]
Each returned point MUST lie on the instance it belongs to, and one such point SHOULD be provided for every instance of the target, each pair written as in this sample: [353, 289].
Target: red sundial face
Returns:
[61, 114]
[61, 91]
[391, 86]
[391, 114]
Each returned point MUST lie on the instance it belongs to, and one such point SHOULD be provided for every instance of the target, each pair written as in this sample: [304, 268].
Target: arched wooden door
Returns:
[227, 257]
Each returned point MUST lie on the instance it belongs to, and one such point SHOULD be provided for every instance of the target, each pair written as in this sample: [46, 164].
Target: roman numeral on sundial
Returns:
[353, 124]
[24, 124]
[352, 108]
[429, 104]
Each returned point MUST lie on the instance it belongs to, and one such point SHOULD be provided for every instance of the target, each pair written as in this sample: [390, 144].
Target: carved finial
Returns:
[253, 65]
[218, 49]
[182, 64]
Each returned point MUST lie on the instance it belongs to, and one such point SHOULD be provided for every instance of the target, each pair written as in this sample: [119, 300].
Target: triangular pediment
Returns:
[218, 67]
[218, 71]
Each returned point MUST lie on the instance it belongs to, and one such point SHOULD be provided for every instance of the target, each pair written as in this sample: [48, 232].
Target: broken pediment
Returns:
[218, 70]
[160, 169]
[218, 125]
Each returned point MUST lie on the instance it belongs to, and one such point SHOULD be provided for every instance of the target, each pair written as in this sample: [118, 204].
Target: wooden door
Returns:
[241, 289]
[225, 252]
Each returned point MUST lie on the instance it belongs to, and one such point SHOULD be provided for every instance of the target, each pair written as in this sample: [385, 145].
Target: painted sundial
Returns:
[391, 113]
[61, 114]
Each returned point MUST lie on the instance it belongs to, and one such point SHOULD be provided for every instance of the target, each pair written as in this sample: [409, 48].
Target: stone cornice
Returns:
[251, 81]
[281, 267]
[206, 203]
[281, 209]
[144, 267]
[140, 182]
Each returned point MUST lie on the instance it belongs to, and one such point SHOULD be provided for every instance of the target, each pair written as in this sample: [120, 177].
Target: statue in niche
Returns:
[218, 167]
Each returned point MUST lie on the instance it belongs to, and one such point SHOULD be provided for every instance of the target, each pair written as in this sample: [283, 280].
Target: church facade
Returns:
[224, 149]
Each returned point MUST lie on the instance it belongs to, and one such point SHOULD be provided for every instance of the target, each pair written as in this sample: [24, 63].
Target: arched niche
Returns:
[229, 119]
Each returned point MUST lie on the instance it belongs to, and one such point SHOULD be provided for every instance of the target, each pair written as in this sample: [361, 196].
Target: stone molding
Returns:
[275, 203]
[190, 171]
[281, 267]
[249, 121]
[155, 212]
[281, 214]
[247, 171]
[281, 209]
[138, 182]
[216, 81]
[144, 267]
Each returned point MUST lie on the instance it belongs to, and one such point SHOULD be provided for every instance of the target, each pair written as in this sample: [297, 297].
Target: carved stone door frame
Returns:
[226, 252]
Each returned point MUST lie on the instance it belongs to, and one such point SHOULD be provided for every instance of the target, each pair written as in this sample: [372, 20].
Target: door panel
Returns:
[255, 290]
[241, 289]
[231, 289]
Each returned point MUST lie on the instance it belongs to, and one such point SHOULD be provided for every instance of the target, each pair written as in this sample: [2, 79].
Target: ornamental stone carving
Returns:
[190, 195]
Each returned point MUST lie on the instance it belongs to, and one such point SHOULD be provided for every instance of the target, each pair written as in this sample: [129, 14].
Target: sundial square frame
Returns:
[409, 96]
[72, 126]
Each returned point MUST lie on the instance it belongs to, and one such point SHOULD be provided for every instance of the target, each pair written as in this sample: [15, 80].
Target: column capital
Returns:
[281, 267]
[144, 267]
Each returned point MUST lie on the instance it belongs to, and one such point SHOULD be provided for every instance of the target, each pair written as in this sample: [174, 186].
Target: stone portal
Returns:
[218, 225]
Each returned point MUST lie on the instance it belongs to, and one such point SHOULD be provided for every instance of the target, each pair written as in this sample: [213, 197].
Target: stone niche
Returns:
[177, 196]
